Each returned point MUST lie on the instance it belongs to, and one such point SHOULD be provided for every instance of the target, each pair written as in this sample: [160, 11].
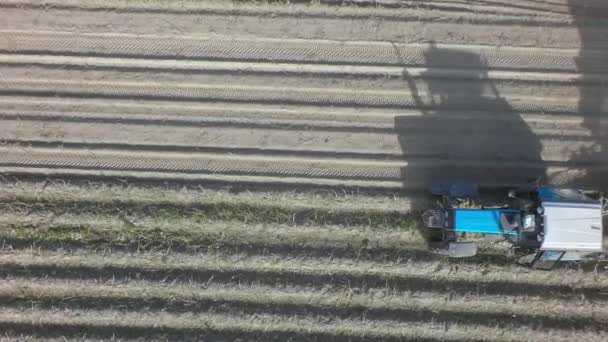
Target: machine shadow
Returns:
[591, 19]
[464, 130]
[592, 24]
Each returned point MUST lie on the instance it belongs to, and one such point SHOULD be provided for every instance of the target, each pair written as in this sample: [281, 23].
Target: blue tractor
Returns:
[546, 224]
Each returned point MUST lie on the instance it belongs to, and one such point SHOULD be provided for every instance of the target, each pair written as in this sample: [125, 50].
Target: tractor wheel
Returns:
[436, 235]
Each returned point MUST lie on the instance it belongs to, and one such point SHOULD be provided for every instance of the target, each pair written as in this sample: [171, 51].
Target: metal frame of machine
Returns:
[550, 224]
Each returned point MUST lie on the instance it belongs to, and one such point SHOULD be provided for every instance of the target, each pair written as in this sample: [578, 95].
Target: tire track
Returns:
[318, 12]
[562, 127]
[289, 69]
[125, 109]
[273, 95]
[319, 117]
[441, 29]
[218, 181]
[554, 153]
[213, 164]
[487, 83]
[421, 137]
[504, 172]
[285, 50]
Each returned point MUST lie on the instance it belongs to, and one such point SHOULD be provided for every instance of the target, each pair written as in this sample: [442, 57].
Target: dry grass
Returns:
[209, 205]
[188, 235]
[221, 265]
[260, 327]
[244, 301]
[102, 216]
[122, 191]
[315, 272]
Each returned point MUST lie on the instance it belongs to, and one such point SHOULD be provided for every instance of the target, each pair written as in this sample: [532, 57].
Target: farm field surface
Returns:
[243, 170]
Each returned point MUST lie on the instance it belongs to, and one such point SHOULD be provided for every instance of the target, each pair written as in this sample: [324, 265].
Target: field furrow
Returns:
[301, 272]
[315, 119]
[21, 293]
[296, 21]
[181, 67]
[413, 174]
[217, 181]
[286, 96]
[217, 326]
[223, 7]
[332, 53]
[276, 138]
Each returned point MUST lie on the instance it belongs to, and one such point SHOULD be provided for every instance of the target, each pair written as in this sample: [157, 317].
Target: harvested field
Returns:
[254, 170]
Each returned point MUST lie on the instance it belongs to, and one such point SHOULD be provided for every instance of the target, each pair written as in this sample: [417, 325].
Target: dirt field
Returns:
[239, 170]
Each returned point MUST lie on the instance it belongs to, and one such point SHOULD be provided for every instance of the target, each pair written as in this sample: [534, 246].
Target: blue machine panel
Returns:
[546, 193]
[486, 221]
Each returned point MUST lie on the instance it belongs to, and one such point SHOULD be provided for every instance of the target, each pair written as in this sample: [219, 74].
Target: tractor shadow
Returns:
[592, 24]
[591, 19]
[466, 131]
[463, 130]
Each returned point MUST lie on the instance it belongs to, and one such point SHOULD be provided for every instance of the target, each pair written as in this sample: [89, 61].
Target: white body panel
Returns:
[571, 226]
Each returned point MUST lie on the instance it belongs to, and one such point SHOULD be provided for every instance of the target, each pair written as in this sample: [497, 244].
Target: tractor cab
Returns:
[554, 224]
[571, 226]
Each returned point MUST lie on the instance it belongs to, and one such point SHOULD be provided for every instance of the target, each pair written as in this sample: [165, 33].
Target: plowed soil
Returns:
[239, 170]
